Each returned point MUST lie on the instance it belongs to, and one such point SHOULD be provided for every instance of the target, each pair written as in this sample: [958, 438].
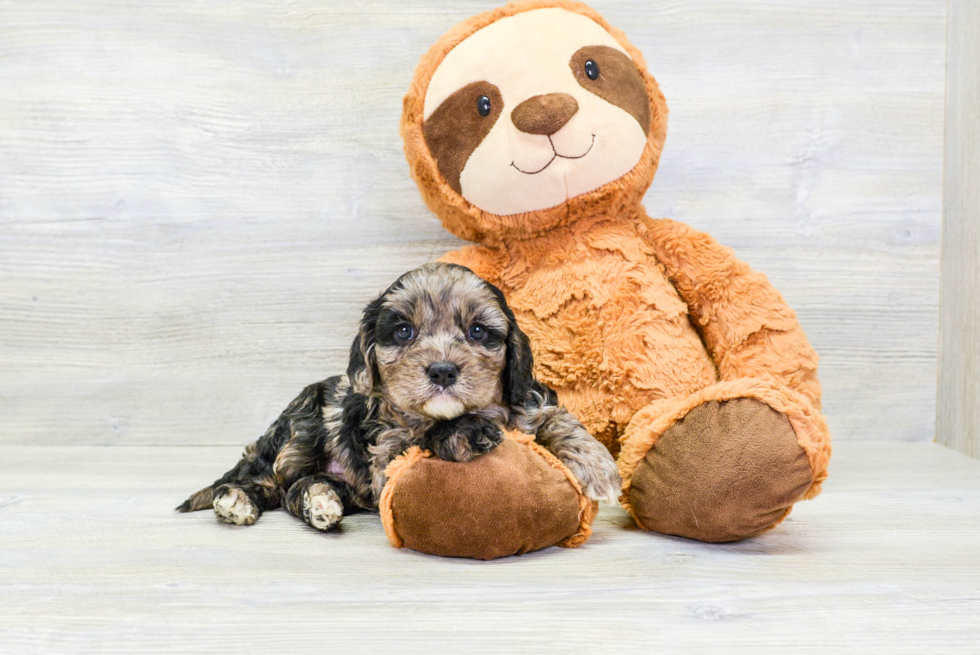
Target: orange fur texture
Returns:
[633, 321]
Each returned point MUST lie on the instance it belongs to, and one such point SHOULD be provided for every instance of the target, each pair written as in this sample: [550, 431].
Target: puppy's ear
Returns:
[519, 369]
[362, 369]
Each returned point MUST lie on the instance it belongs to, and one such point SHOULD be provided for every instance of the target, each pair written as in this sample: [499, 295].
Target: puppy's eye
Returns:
[592, 69]
[477, 332]
[483, 105]
[404, 333]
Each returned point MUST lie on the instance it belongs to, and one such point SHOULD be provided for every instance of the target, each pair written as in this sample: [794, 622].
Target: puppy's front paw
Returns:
[463, 438]
[598, 476]
[232, 505]
[322, 507]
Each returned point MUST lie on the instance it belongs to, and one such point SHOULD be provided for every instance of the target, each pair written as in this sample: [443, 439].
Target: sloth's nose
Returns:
[544, 114]
[443, 374]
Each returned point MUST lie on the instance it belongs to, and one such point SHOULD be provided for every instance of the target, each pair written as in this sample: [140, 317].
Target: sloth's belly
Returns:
[610, 336]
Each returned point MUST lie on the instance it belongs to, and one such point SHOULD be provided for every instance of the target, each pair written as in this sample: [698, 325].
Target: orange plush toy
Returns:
[534, 130]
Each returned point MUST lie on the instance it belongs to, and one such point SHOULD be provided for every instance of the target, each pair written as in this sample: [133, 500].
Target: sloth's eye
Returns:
[478, 332]
[592, 69]
[483, 105]
[404, 332]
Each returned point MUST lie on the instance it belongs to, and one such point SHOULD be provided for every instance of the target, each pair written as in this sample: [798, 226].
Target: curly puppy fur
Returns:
[438, 362]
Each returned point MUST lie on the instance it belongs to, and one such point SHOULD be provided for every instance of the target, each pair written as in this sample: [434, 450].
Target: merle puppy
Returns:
[439, 362]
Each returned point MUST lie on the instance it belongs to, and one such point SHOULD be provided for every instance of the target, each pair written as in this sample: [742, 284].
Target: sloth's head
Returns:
[531, 116]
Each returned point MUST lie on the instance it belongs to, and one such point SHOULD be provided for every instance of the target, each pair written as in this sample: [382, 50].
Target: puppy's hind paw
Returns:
[322, 507]
[232, 505]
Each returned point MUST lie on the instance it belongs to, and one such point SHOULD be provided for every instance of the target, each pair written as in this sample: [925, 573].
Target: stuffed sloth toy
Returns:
[534, 130]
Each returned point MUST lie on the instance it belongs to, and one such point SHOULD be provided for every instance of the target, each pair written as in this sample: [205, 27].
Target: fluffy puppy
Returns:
[438, 362]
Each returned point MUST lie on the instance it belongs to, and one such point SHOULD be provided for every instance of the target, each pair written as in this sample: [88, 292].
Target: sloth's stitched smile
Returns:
[554, 156]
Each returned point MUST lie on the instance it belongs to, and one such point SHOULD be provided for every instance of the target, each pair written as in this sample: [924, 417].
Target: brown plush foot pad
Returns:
[726, 471]
[515, 499]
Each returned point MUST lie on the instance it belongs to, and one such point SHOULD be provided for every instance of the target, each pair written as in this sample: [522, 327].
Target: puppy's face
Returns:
[441, 342]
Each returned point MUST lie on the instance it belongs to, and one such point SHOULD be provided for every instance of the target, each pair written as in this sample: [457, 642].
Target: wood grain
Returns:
[92, 559]
[958, 420]
[197, 198]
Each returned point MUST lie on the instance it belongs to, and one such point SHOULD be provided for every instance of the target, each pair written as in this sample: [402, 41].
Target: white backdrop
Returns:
[197, 198]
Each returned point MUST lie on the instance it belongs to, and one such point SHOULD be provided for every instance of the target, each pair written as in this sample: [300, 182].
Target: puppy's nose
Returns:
[443, 373]
[544, 114]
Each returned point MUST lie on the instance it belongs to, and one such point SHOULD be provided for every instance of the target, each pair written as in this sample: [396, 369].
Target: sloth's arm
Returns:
[747, 327]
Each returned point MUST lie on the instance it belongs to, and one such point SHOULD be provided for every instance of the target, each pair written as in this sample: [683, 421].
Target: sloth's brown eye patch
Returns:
[611, 75]
[458, 126]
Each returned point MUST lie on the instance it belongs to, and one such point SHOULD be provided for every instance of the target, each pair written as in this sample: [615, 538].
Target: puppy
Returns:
[440, 363]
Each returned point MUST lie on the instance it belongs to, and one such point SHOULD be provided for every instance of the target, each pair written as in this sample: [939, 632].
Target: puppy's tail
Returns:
[203, 499]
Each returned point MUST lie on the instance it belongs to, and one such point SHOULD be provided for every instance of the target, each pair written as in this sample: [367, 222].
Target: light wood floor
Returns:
[92, 559]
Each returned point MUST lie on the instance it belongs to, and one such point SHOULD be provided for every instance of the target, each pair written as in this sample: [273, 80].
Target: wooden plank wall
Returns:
[197, 198]
[958, 420]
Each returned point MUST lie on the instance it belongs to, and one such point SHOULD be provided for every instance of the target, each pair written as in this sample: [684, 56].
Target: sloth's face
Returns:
[440, 344]
[534, 110]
